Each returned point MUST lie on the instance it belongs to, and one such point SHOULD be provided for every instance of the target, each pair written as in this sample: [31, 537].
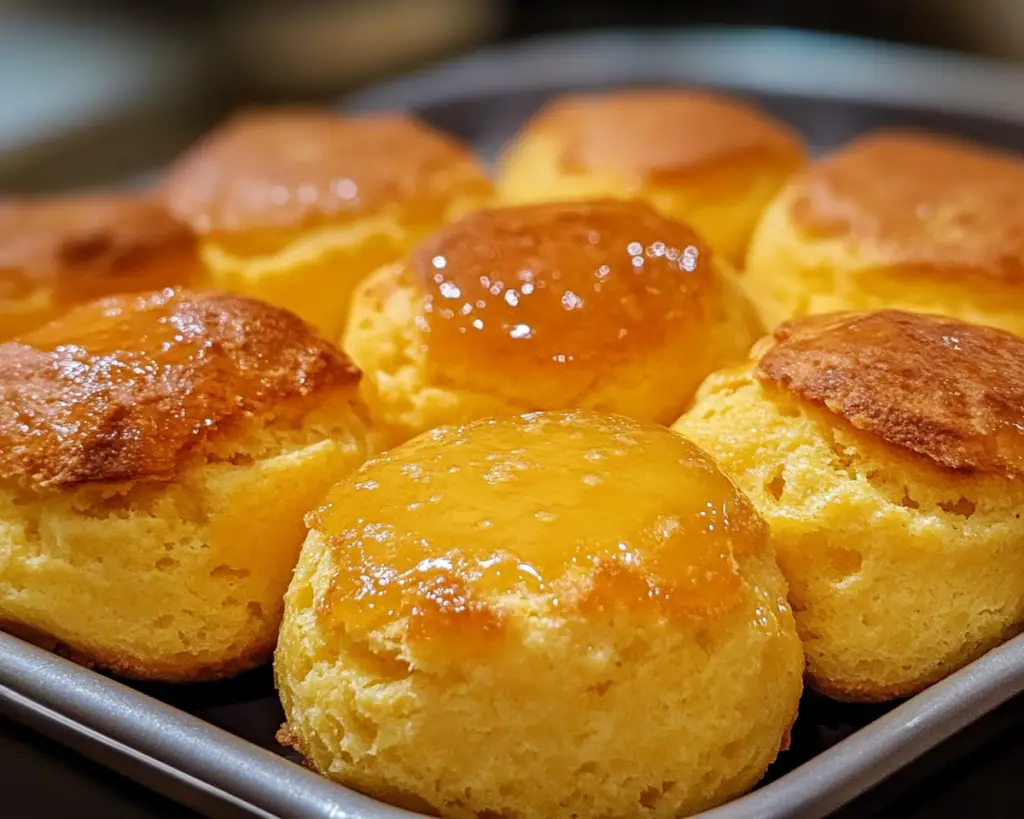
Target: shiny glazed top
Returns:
[559, 293]
[293, 168]
[123, 388]
[949, 391]
[84, 247]
[919, 200]
[572, 512]
[657, 136]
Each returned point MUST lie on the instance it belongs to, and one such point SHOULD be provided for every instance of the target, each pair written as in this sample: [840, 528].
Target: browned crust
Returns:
[178, 671]
[864, 693]
[918, 201]
[949, 391]
[287, 737]
[92, 245]
[867, 693]
[290, 168]
[658, 134]
[125, 388]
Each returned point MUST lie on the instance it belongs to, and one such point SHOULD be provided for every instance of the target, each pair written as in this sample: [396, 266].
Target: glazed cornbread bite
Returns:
[706, 159]
[296, 206]
[597, 305]
[57, 253]
[559, 614]
[157, 454]
[886, 451]
[896, 219]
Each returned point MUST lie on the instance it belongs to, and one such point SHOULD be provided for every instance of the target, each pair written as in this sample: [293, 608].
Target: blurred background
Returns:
[96, 90]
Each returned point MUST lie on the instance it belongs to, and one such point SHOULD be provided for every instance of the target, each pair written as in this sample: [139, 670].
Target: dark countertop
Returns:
[976, 775]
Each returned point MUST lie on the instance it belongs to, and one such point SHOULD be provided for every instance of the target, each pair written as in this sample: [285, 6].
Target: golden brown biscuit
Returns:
[297, 206]
[705, 159]
[57, 253]
[597, 305]
[886, 451]
[157, 454]
[568, 595]
[896, 219]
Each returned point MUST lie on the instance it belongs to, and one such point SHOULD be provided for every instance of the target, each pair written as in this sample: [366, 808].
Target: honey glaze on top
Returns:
[652, 136]
[556, 294]
[292, 168]
[583, 511]
[922, 200]
[120, 389]
[85, 247]
[947, 390]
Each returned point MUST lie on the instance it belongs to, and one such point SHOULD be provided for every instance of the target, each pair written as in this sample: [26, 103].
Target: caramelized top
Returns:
[291, 168]
[649, 135]
[919, 200]
[949, 391]
[574, 509]
[121, 389]
[89, 246]
[551, 295]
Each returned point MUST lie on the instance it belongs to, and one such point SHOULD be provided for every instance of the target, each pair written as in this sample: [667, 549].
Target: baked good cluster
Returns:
[547, 490]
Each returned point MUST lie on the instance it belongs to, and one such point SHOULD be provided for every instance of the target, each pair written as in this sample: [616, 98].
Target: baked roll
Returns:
[596, 305]
[706, 159]
[518, 617]
[61, 252]
[900, 220]
[157, 455]
[886, 452]
[296, 206]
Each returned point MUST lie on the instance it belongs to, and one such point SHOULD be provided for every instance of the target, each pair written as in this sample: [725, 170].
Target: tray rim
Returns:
[201, 765]
[763, 60]
[196, 763]
[225, 773]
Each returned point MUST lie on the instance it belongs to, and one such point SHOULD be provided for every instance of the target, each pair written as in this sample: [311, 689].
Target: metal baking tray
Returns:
[212, 746]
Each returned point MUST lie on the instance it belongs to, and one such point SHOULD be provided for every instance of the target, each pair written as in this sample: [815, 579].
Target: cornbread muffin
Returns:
[594, 305]
[886, 451]
[559, 614]
[705, 159]
[296, 206]
[57, 253]
[896, 219]
[157, 454]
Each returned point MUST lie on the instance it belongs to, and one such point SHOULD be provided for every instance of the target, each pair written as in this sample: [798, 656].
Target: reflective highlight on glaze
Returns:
[291, 168]
[120, 389]
[570, 510]
[557, 291]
